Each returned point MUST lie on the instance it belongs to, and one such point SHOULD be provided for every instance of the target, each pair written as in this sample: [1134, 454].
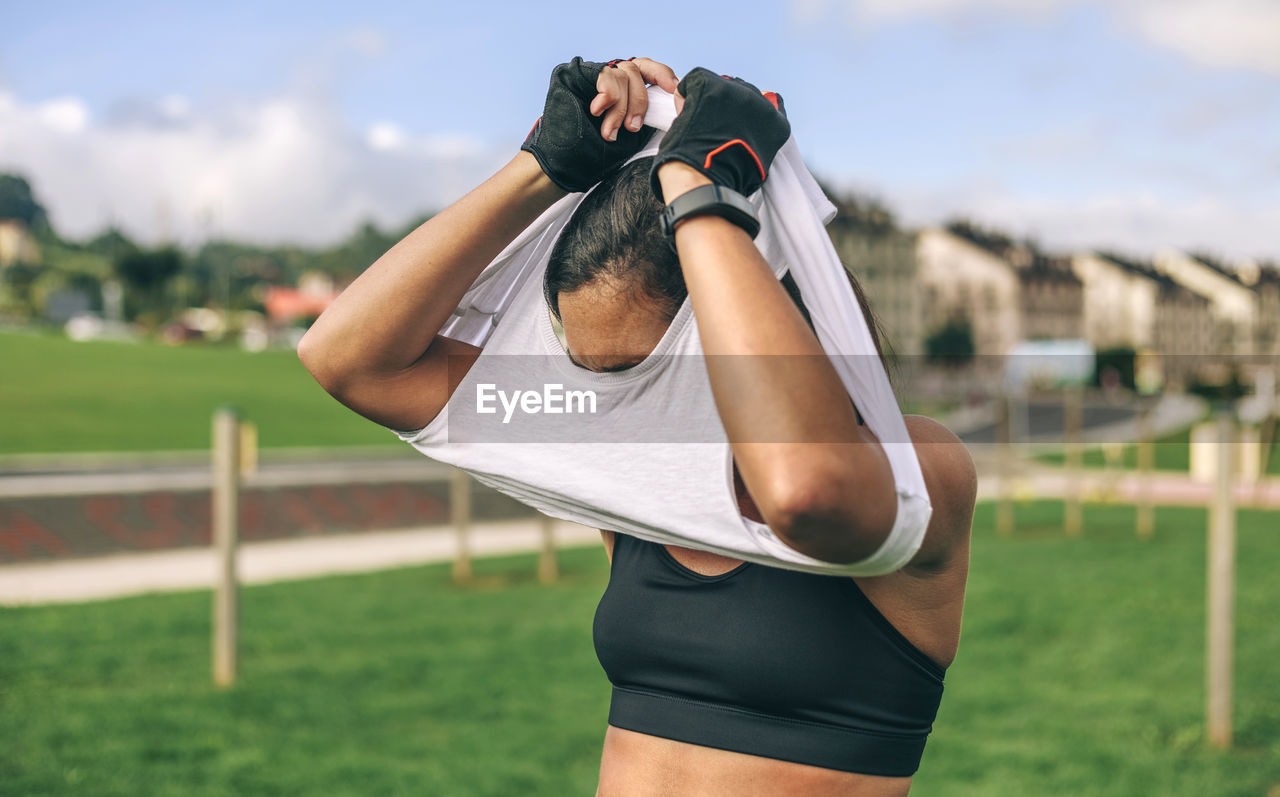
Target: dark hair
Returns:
[615, 235]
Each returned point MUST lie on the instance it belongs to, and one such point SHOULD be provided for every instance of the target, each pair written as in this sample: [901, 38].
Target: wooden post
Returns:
[1004, 458]
[1072, 423]
[1266, 442]
[1220, 608]
[1270, 384]
[548, 570]
[248, 449]
[460, 513]
[1146, 517]
[226, 508]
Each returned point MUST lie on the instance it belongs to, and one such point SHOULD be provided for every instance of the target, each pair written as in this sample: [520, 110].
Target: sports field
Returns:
[57, 395]
[1080, 673]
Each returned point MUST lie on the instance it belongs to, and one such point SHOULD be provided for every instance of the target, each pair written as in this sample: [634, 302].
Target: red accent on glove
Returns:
[707, 163]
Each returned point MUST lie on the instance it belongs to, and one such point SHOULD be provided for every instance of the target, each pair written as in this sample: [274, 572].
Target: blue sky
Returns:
[1131, 124]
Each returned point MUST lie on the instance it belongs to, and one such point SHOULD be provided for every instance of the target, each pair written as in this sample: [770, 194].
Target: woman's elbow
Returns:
[838, 518]
[318, 360]
[310, 352]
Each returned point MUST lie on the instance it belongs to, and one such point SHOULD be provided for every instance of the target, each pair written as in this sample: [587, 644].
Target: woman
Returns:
[729, 678]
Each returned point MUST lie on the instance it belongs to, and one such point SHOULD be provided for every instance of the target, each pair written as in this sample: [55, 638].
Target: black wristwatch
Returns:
[714, 200]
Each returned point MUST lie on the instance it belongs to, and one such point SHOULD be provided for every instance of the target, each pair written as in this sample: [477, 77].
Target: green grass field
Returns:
[1080, 673]
[1172, 452]
[57, 395]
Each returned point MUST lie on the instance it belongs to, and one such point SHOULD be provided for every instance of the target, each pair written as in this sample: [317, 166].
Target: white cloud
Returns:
[1221, 33]
[281, 169]
[878, 10]
[1217, 33]
[65, 115]
[1137, 221]
[175, 106]
[385, 136]
[1142, 222]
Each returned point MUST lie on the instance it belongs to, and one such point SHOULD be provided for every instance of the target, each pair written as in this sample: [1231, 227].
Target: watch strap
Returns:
[713, 200]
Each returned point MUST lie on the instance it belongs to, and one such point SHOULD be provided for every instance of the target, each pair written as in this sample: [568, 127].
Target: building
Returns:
[1052, 299]
[1266, 287]
[17, 244]
[314, 293]
[961, 281]
[884, 264]
[1119, 297]
[1234, 305]
[1127, 303]
[1183, 333]
[1005, 292]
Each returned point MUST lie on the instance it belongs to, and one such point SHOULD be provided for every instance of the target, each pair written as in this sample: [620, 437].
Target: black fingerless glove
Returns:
[727, 130]
[566, 140]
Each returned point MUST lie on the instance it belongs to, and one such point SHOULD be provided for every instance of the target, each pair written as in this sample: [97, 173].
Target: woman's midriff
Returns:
[640, 765]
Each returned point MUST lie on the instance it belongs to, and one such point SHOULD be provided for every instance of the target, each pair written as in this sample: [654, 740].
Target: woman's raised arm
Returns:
[821, 481]
[377, 348]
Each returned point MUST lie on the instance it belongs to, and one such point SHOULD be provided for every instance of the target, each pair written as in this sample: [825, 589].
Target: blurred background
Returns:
[1066, 215]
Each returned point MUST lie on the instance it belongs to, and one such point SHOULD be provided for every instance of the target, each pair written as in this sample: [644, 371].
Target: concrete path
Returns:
[276, 560]
[1036, 481]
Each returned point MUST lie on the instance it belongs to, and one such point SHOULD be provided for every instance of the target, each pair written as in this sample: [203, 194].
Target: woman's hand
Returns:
[726, 129]
[622, 92]
[592, 121]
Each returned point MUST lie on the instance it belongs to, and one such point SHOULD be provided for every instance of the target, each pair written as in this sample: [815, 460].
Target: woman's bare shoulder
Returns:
[952, 482]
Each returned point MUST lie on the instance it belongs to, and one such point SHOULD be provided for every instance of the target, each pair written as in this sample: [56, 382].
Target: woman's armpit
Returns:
[746, 505]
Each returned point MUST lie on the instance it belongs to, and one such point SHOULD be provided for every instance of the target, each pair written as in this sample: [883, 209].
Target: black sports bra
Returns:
[776, 663]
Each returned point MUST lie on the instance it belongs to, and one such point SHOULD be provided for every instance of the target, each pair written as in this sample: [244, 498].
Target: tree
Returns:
[148, 270]
[16, 282]
[17, 202]
[147, 273]
[1219, 382]
[950, 344]
[112, 243]
[1121, 360]
[859, 212]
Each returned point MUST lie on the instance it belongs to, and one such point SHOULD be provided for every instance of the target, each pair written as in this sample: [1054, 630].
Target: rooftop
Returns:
[1215, 264]
[1141, 268]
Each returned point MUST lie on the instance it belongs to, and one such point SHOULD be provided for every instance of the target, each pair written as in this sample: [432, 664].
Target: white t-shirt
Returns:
[643, 451]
